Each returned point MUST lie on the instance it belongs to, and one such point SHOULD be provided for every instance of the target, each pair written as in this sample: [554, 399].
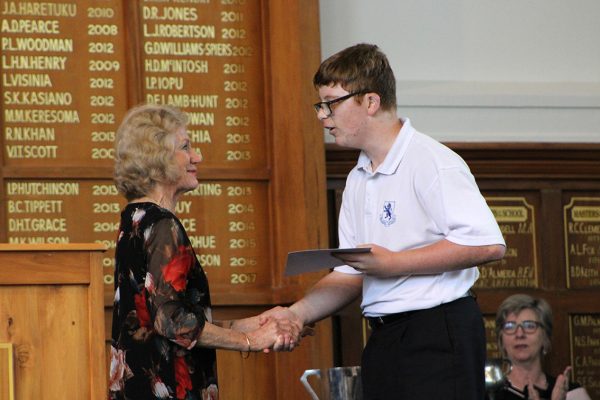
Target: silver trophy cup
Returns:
[342, 383]
[496, 370]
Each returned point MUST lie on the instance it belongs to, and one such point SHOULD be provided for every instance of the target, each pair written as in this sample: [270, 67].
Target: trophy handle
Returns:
[304, 380]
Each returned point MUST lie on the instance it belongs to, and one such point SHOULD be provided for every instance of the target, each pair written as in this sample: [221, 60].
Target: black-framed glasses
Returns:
[510, 327]
[325, 106]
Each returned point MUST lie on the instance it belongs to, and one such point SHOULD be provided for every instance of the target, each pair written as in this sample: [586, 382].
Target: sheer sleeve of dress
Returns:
[174, 286]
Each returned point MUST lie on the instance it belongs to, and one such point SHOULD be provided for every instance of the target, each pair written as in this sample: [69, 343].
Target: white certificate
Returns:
[299, 262]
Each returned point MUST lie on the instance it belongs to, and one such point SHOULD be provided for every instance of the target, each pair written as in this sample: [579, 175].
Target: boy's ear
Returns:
[373, 100]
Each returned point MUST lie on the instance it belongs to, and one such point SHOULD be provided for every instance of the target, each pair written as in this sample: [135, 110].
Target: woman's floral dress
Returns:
[161, 304]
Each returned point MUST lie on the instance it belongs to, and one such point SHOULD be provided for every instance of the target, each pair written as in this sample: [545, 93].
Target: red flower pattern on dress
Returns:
[141, 290]
[182, 376]
[142, 309]
[177, 269]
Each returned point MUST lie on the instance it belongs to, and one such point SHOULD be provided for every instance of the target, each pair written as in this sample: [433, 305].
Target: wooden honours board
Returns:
[70, 70]
[217, 48]
[232, 247]
[516, 217]
[582, 241]
[63, 82]
[241, 70]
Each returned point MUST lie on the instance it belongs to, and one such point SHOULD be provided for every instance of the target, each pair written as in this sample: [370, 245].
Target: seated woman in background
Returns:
[524, 331]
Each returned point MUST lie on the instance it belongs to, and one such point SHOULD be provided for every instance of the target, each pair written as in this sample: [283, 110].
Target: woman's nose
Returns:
[196, 156]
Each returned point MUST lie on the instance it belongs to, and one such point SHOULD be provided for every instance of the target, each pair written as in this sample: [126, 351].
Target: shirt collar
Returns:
[394, 156]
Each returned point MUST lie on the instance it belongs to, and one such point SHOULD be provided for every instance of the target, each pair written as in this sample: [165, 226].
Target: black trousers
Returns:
[433, 354]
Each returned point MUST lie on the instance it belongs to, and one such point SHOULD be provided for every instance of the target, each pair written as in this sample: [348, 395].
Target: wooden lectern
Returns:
[51, 322]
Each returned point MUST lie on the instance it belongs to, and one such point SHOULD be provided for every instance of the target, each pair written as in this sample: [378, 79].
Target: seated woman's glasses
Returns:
[510, 327]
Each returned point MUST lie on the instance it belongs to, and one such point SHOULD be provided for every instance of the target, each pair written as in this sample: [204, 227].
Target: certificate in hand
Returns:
[299, 262]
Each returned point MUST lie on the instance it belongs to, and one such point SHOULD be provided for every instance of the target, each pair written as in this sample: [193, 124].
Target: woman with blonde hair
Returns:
[163, 334]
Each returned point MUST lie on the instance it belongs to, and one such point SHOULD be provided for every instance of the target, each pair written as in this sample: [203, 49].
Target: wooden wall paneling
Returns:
[551, 240]
[244, 378]
[7, 372]
[298, 150]
[51, 310]
[253, 68]
[3, 216]
[299, 188]
[133, 58]
[531, 160]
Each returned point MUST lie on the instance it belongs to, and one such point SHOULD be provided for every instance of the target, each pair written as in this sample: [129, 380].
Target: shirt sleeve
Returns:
[460, 212]
[170, 262]
[346, 235]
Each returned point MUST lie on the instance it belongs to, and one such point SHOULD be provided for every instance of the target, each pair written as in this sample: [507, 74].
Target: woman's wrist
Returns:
[247, 345]
[248, 324]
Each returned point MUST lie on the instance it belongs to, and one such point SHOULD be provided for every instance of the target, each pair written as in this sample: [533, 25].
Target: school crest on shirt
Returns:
[388, 216]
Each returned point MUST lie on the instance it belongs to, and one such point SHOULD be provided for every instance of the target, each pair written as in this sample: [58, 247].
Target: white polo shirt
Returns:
[423, 192]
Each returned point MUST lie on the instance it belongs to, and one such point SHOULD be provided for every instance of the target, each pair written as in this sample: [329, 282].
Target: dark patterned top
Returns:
[509, 392]
[161, 304]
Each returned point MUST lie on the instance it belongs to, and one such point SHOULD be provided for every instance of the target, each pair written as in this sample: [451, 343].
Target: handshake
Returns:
[278, 329]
